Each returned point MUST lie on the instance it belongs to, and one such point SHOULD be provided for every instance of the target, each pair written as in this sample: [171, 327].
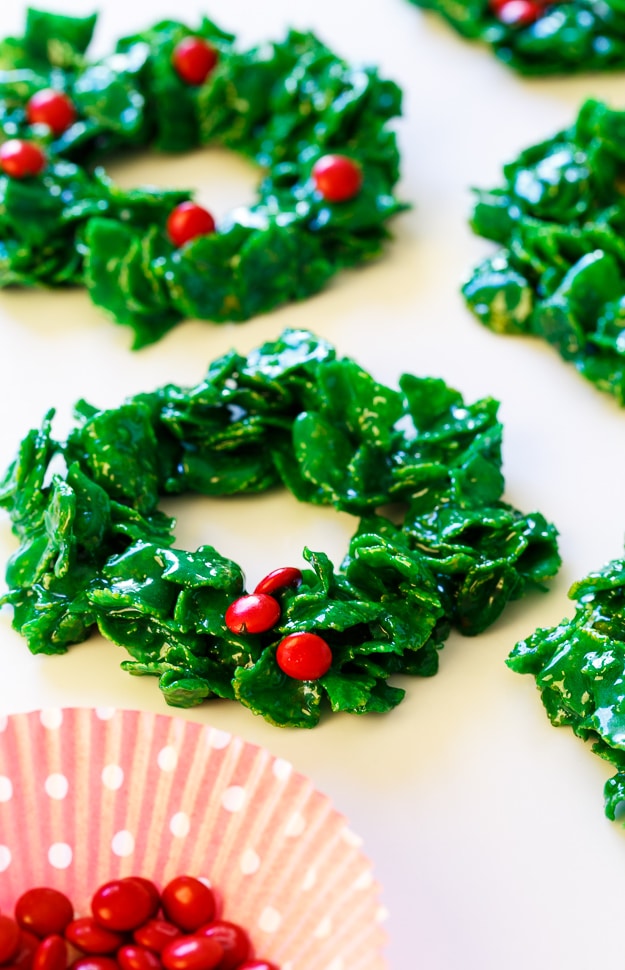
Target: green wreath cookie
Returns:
[579, 668]
[542, 36]
[95, 551]
[318, 128]
[560, 270]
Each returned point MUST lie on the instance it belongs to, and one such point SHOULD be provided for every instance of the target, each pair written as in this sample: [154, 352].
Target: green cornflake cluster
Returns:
[560, 271]
[283, 105]
[579, 668]
[95, 551]
[564, 38]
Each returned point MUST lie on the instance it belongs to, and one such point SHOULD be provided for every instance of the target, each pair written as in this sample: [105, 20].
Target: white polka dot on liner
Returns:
[5, 857]
[295, 825]
[123, 843]
[6, 789]
[234, 798]
[309, 879]
[269, 920]
[4, 723]
[179, 824]
[112, 776]
[218, 739]
[56, 786]
[323, 929]
[105, 713]
[167, 758]
[60, 855]
[51, 718]
[282, 769]
[249, 863]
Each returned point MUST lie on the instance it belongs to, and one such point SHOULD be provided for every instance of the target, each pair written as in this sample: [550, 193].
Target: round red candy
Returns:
[51, 954]
[188, 903]
[133, 957]
[51, 108]
[188, 221]
[9, 938]
[152, 890]
[87, 936]
[95, 963]
[192, 953]
[21, 159]
[194, 59]
[254, 613]
[304, 656]
[44, 911]
[23, 959]
[337, 177]
[122, 904]
[279, 579]
[519, 13]
[156, 934]
[233, 940]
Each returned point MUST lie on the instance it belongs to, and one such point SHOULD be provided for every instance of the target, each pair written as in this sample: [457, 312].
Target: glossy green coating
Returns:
[567, 37]
[560, 270]
[96, 551]
[283, 105]
[579, 668]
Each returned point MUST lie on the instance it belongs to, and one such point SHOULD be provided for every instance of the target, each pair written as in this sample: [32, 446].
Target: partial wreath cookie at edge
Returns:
[95, 551]
[319, 129]
[579, 667]
[542, 37]
[559, 271]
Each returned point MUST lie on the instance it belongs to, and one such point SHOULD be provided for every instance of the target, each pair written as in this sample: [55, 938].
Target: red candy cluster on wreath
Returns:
[132, 926]
[302, 655]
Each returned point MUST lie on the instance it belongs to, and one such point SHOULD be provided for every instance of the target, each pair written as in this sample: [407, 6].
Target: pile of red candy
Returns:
[132, 926]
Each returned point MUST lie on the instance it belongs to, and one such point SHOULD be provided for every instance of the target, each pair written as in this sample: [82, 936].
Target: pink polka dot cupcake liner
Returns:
[91, 795]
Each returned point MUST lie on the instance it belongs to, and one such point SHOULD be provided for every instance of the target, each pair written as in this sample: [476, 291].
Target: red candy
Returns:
[95, 963]
[123, 933]
[51, 954]
[192, 953]
[24, 958]
[151, 889]
[51, 108]
[21, 159]
[123, 904]
[304, 656]
[519, 13]
[87, 936]
[278, 579]
[9, 938]
[337, 177]
[254, 613]
[188, 221]
[132, 957]
[194, 59]
[233, 940]
[156, 934]
[44, 911]
[188, 903]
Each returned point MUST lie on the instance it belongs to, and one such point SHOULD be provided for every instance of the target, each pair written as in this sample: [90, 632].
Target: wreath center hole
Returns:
[221, 180]
[260, 532]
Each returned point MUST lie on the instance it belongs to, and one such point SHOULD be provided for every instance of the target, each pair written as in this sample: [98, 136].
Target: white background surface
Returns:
[485, 824]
